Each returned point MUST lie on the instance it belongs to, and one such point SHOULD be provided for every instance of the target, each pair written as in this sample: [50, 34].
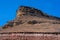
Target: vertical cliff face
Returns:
[29, 11]
[19, 12]
[24, 10]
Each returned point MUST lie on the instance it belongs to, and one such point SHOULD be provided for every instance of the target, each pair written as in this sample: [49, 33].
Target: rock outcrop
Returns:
[29, 19]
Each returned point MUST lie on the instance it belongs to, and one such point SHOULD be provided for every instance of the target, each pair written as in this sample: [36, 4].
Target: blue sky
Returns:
[8, 8]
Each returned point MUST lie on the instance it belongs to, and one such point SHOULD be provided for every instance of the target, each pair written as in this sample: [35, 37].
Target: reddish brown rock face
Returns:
[30, 37]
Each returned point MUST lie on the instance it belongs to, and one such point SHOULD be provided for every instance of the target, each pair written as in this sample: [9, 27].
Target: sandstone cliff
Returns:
[29, 19]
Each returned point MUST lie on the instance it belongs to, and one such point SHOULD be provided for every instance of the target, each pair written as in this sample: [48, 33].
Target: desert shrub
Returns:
[40, 22]
[4, 27]
[19, 22]
[56, 22]
[7, 25]
[29, 22]
[32, 22]
[10, 25]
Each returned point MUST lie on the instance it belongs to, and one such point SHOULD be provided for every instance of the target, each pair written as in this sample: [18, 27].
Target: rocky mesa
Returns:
[30, 19]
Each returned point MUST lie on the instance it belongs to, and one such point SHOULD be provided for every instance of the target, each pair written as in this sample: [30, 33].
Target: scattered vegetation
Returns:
[4, 27]
[11, 24]
[32, 22]
[19, 22]
[56, 22]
